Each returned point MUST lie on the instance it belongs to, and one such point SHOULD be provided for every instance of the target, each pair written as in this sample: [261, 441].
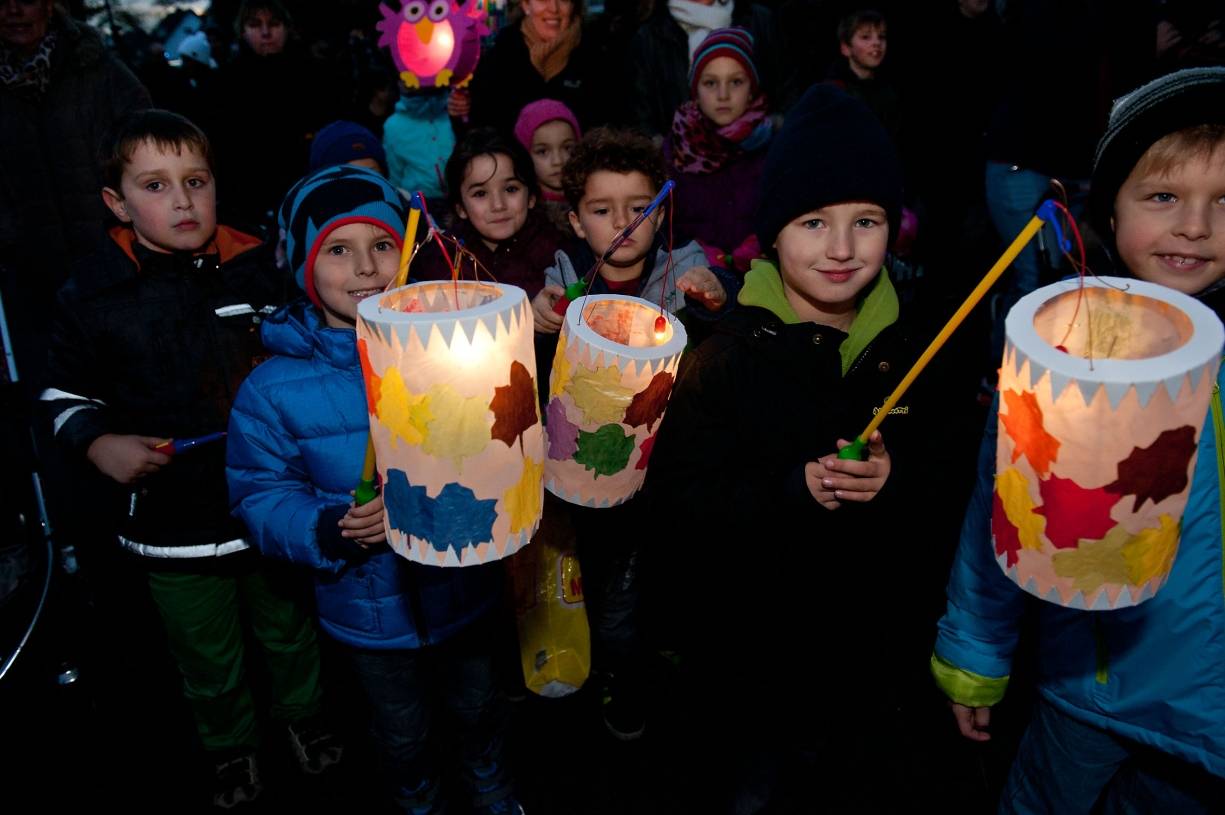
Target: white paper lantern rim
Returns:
[1201, 350]
[504, 299]
[669, 348]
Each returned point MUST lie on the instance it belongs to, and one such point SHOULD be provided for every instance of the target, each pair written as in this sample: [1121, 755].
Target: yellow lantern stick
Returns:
[857, 450]
[365, 491]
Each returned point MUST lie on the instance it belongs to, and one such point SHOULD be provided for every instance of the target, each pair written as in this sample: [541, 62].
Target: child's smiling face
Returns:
[493, 198]
[1169, 224]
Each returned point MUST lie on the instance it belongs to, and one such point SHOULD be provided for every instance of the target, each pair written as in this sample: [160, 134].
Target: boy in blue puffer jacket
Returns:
[1131, 710]
[298, 435]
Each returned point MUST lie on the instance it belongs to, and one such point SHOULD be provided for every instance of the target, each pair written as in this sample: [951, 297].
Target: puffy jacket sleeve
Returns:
[270, 488]
[977, 635]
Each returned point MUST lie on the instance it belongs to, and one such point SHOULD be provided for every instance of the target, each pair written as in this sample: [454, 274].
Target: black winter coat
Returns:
[157, 345]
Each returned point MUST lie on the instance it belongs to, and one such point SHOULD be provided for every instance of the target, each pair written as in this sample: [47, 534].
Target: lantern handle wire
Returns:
[579, 287]
[858, 448]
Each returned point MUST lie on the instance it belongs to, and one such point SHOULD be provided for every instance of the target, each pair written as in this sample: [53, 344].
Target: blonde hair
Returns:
[1175, 149]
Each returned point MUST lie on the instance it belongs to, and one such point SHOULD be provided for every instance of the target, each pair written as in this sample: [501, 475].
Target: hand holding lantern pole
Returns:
[366, 491]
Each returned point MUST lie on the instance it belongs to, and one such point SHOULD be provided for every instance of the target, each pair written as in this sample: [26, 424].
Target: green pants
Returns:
[204, 617]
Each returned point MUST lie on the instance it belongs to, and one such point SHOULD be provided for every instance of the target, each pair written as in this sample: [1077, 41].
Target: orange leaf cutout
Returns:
[1023, 423]
[374, 382]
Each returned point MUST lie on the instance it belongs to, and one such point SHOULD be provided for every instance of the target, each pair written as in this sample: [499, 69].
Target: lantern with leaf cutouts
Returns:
[612, 375]
[1103, 395]
[450, 372]
[434, 43]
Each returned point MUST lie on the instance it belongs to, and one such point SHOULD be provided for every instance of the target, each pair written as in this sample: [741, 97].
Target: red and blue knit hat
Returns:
[330, 198]
[736, 43]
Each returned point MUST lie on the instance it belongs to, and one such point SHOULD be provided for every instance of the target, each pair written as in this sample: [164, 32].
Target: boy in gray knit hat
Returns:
[1130, 715]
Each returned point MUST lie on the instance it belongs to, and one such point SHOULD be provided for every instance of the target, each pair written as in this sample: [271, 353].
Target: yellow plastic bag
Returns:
[554, 640]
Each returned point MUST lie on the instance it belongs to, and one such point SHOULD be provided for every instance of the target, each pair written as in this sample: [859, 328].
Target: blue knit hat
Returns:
[330, 198]
[341, 142]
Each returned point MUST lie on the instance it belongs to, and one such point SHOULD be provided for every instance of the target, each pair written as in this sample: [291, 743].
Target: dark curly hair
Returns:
[615, 151]
[486, 141]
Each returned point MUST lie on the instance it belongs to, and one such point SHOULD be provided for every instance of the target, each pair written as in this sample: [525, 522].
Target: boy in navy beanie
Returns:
[754, 426]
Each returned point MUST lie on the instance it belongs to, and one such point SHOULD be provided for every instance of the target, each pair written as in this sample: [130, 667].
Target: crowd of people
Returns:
[183, 250]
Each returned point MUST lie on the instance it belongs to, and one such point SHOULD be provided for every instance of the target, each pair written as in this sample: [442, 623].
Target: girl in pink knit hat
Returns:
[548, 130]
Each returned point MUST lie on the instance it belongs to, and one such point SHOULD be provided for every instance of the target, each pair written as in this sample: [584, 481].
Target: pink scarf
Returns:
[699, 146]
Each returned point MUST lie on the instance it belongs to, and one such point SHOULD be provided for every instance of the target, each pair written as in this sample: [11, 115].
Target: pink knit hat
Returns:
[541, 112]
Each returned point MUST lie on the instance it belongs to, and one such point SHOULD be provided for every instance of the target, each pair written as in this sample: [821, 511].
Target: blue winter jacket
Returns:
[296, 445]
[1154, 673]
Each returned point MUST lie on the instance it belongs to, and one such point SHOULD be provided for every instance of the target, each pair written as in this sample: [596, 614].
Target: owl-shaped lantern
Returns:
[434, 43]
[1103, 395]
[450, 372]
[612, 375]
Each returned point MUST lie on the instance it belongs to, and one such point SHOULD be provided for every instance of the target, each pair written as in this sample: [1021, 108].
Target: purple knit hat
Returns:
[541, 112]
[736, 43]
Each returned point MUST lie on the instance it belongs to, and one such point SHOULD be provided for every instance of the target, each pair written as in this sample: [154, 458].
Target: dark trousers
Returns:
[407, 689]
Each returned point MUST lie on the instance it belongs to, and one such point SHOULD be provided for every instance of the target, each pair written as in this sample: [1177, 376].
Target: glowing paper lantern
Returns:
[450, 372]
[434, 43]
[1097, 443]
[612, 376]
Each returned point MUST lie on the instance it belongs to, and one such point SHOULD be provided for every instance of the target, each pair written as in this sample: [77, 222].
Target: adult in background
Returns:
[61, 91]
[541, 54]
[272, 98]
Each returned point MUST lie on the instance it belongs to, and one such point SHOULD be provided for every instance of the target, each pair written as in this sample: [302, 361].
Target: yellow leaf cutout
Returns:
[459, 427]
[561, 368]
[1151, 552]
[1095, 563]
[600, 395]
[405, 414]
[524, 500]
[1019, 507]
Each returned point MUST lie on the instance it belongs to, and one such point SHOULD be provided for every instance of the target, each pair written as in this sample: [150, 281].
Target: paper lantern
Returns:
[1097, 443]
[434, 43]
[450, 372]
[612, 376]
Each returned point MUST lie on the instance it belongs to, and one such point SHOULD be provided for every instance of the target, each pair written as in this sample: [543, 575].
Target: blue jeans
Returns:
[1064, 766]
[405, 689]
[1013, 193]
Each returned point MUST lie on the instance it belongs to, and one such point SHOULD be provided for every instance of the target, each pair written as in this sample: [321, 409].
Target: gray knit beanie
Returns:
[1187, 98]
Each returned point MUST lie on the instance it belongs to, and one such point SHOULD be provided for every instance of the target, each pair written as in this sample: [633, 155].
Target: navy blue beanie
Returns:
[342, 142]
[830, 149]
[330, 198]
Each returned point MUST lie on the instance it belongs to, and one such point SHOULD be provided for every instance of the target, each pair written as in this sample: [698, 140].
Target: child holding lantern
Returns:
[793, 550]
[611, 177]
[1128, 716]
[299, 429]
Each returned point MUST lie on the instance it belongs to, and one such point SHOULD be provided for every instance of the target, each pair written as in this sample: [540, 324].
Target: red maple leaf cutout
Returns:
[514, 406]
[374, 382]
[1158, 471]
[1007, 540]
[1073, 512]
[648, 405]
[1023, 423]
[648, 444]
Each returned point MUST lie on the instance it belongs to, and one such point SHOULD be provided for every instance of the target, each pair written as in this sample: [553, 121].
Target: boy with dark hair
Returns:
[150, 342]
[611, 177]
[1128, 717]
